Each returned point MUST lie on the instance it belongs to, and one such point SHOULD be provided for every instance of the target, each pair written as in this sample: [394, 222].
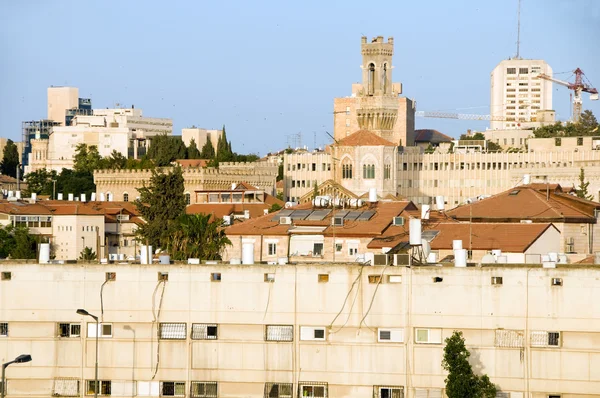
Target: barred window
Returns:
[509, 338]
[204, 389]
[312, 389]
[172, 388]
[204, 331]
[278, 390]
[3, 329]
[545, 339]
[279, 333]
[388, 391]
[69, 330]
[65, 387]
[173, 331]
[105, 387]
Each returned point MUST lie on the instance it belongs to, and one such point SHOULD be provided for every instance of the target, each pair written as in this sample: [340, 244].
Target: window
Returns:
[204, 389]
[147, 388]
[388, 392]
[272, 249]
[104, 387]
[312, 333]
[523, 71]
[6, 276]
[204, 331]
[387, 171]
[511, 71]
[314, 167]
[279, 333]
[438, 279]
[509, 338]
[390, 335]
[317, 249]
[69, 330]
[394, 278]
[65, 387]
[215, 277]
[428, 336]
[496, 280]
[278, 390]
[338, 247]
[188, 199]
[105, 329]
[3, 329]
[374, 278]
[352, 248]
[172, 389]
[557, 282]
[111, 276]
[126, 197]
[346, 171]
[269, 277]
[163, 276]
[347, 122]
[172, 331]
[545, 339]
[347, 110]
[323, 278]
[368, 171]
[312, 389]
[557, 141]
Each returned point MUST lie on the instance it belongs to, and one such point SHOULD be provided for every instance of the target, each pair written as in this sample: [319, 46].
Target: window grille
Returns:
[172, 389]
[313, 389]
[105, 387]
[204, 389]
[173, 331]
[278, 390]
[3, 329]
[509, 338]
[69, 330]
[388, 392]
[65, 387]
[545, 339]
[279, 333]
[203, 331]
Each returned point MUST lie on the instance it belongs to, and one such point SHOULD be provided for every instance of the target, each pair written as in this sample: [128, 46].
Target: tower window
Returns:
[384, 79]
[371, 79]
[368, 171]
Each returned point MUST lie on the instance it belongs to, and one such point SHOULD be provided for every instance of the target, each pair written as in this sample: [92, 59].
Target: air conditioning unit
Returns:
[398, 221]
[337, 221]
[526, 221]
[401, 259]
[285, 220]
[381, 259]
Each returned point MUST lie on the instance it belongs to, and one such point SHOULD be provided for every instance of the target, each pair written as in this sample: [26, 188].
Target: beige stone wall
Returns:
[200, 136]
[350, 358]
[59, 100]
[509, 138]
[71, 234]
[302, 170]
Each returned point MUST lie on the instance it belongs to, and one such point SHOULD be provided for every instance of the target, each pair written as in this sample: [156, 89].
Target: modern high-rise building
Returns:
[517, 94]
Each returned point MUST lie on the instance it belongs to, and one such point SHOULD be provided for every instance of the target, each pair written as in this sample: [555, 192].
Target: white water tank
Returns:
[93, 198]
[414, 231]
[18, 194]
[282, 260]
[553, 257]
[34, 196]
[496, 252]
[247, 253]
[527, 179]
[372, 195]
[70, 197]
[425, 209]
[247, 214]
[11, 194]
[44, 253]
[426, 247]
[456, 244]
[460, 258]
[226, 220]
[439, 203]
[432, 258]
[143, 254]
[164, 259]
[233, 185]
[83, 198]
[60, 196]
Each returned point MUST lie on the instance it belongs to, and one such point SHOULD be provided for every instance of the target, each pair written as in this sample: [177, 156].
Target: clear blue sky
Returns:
[268, 69]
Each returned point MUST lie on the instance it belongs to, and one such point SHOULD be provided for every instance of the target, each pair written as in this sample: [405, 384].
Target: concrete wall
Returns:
[59, 100]
[302, 170]
[350, 358]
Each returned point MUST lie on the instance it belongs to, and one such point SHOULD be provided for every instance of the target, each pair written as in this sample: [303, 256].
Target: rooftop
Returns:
[364, 138]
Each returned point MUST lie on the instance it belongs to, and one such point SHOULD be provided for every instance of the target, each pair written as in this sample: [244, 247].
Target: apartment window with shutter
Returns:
[313, 389]
[278, 390]
[3, 329]
[323, 278]
[172, 331]
[388, 392]
[69, 330]
[312, 333]
[204, 331]
[279, 333]
[385, 335]
[204, 389]
[172, 389]
[104, 387]
[105, 329]
[509, 338]
[428, 336]
[272, 249]
[65, 387]
[545, 339]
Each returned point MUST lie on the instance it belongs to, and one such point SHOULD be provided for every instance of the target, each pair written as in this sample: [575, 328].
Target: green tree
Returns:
[192, 150]
[40, 182]
[280, 172]
[161, 202]
[197, 236]
[87, 159]
[461, 382]
[224, 153]
[164, 149]
[115, 161]
[10, 159]
[491, 145]
[7, 241]
[208, 151]
[87, 254]
[582, 191]
[275, 207]
[144, 163]
[588, 124]
[75, 182]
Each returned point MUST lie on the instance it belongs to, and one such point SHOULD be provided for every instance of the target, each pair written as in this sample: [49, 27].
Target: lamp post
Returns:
[20, 359]
[81, 311]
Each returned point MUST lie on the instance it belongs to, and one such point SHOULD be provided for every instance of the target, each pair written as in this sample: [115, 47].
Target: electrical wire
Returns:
[372, 300]
[102, 302]
[157, 319]
[347, 295]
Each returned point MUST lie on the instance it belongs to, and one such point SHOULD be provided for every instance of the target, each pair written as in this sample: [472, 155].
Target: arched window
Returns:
[387, 172]
[371, 79]
[188, 198]
[347, 171]
[125, 197]
[368, 171]
[384, 79]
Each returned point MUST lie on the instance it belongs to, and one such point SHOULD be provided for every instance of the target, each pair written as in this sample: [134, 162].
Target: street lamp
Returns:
[20, 359]
[81, 311]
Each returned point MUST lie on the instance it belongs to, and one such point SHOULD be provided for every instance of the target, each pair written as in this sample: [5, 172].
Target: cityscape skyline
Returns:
[270, 49]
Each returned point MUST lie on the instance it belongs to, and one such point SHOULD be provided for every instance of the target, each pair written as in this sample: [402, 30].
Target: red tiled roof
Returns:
[185, 163]
[23, 208]
[218, 210]
[431, 135]
[364, 138]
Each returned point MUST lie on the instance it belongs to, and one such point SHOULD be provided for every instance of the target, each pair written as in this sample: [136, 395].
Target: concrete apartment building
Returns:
[290, 331]
[517, 94]
[303, 170]
[201, 137]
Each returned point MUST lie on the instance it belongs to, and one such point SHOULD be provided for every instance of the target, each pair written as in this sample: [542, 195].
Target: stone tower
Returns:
[375, 104]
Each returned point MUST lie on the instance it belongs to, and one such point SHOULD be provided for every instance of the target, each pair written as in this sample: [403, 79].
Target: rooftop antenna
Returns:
[518, 29]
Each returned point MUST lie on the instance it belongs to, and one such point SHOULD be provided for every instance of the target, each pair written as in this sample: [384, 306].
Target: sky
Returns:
[269, 70]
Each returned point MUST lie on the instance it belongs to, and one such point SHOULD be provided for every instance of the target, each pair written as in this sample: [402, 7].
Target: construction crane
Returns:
[467, 116]
[581, 84]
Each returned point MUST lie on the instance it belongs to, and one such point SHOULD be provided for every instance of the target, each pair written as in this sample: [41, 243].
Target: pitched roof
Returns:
[508, 237]
[526, 203]
[185, 163]
[23, 208]
[218, 210]
[364, 138]
[430, 135]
